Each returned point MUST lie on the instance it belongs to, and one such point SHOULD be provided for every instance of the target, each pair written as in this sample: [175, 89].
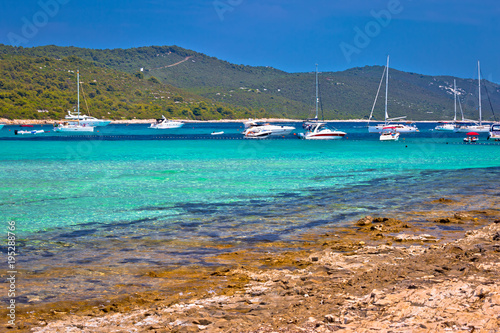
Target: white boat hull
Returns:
[272, 130]
[375, 129]
[320, 131]
[74, 128]
[445, 128]
[398, 127]
[323, 136]
[259, 135]
[494, 137]
[167, 125]
[472, 128]
[16, 132]
[75, 119]
[285, 130]
[94, 123]
[389, 137]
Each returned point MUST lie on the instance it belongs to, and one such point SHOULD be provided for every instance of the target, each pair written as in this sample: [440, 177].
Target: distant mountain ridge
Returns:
[347, 94]
[34, 87]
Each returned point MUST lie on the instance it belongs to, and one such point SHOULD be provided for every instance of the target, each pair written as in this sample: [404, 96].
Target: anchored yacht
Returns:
[165, 123]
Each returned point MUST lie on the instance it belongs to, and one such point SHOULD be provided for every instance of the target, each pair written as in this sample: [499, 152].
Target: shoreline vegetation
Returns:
[148, 121]
[380, 273]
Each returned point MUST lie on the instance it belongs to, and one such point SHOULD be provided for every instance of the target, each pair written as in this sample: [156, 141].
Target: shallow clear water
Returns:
[129, 189]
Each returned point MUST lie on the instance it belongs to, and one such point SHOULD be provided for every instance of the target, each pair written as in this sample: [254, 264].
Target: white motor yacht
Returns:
[165, 123]
[253, 128]
[494, 132]
[389, 134]
[320, 131]
[85, 120]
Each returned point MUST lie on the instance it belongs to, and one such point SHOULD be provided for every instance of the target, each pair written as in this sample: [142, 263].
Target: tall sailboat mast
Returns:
[386, 88]
[317, 97]
[479, 77]
[455, 96]
[78, 92]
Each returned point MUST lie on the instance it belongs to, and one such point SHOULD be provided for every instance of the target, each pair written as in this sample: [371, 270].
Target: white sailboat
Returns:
[477, 127]
[398, 127]
[75, 126]
[317, 130]
[450, 126]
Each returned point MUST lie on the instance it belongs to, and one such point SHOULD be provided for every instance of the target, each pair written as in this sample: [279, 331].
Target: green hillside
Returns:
[45, 88]
[344, 95]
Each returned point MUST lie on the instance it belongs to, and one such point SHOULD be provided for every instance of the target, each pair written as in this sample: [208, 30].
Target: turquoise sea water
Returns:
[128, 195]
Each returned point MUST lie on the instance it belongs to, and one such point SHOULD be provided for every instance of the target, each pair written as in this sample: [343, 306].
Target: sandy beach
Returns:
[380, 274]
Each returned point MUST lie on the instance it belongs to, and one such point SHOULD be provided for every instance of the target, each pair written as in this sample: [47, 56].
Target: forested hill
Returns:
[344, 95]
[46, 88]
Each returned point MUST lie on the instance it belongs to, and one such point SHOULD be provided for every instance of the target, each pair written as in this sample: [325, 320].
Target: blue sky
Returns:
[423, 36]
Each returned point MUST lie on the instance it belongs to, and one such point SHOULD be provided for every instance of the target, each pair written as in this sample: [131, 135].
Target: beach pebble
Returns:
[204, 322]
[365, 221]
[387, 220]
[329, 318]
[462, 216]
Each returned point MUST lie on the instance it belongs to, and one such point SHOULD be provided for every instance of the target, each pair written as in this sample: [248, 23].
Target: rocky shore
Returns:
[381, 275]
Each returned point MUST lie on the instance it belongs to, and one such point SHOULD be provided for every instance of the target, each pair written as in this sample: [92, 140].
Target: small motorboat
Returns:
[258, 133]
[471, 137]
[494, 132]
[217, 133]
[320, 131]
[271, 130]
[17, 132]
[389, 134]
[26, 125]
[165, 123]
